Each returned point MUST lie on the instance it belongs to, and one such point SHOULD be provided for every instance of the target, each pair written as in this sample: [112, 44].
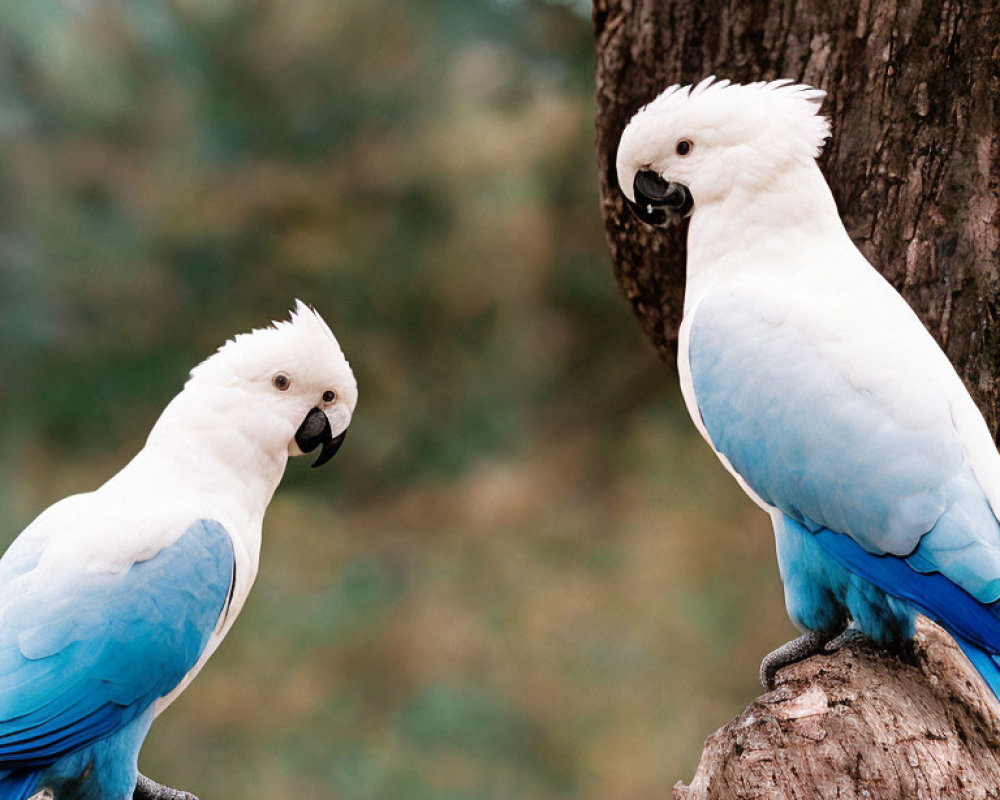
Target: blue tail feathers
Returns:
[18, 784]
[974, 625]
[930, 593]
[986, 664]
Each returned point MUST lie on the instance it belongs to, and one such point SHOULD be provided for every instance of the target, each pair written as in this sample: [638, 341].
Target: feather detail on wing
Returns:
[830, 422]
[82, 653]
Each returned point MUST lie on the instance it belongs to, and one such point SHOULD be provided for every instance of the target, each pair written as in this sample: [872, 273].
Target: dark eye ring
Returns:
[684, 147]
[329, 396]
[281, 382]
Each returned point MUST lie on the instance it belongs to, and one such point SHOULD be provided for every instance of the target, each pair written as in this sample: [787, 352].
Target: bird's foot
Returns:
[845, 638]
[146, 789]
[808, 644]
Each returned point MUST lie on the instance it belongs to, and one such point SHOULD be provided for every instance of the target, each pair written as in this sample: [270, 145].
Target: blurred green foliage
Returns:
[181, 171]
[524, 576]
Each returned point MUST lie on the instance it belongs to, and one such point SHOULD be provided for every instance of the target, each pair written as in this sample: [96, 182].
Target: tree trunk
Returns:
[914, 164]
[914, 161]
[861, 724]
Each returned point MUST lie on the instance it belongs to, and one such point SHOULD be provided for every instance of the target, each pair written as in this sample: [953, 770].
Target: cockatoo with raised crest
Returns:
[112, 601]
[815, 383]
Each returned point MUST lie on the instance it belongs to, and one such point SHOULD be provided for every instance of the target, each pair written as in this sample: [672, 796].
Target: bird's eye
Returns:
[684, 147]
[329, 396]
[281, 382]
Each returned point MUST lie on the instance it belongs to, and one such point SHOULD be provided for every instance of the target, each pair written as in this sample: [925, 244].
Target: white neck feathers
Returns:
[795, 216]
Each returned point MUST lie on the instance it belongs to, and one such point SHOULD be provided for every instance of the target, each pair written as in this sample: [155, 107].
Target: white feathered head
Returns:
[293, 371]
[696, 145]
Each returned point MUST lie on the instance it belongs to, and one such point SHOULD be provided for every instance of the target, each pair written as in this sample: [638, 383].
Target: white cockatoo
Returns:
[111, 601]
[815, 383]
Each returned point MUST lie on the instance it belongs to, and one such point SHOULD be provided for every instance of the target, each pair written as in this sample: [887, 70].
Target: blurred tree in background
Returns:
[519, 577]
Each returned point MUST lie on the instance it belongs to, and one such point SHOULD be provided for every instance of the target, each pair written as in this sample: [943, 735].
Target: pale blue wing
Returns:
[82, 656]
[833, 452]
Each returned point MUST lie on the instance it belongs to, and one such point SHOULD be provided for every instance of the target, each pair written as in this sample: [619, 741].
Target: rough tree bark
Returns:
[914, 163]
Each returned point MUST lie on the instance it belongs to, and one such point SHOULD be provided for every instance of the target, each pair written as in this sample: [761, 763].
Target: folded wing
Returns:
[848, 429]
[83, 652]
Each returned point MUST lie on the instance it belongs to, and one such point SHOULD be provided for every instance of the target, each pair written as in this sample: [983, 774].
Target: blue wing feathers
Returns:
[18, 785]
[37, 750]
[811, 443]
[886, 493]
[82, 659]
[932, 593]
[974, 625]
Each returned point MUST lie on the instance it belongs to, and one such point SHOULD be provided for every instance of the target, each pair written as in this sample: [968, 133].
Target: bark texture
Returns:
[861, 724]
[914, 164]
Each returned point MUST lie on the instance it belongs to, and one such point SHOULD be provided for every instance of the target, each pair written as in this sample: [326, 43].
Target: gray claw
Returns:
[848, 637]
[808, 644]
[146, 789]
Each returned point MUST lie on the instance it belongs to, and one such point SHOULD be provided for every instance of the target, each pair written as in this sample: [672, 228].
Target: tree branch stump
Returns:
[861, 723]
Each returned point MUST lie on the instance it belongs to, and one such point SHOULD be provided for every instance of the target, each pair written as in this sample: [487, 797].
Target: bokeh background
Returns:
[524, 575]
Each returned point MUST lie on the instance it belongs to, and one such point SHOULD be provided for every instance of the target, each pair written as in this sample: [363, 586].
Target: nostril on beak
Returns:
[649, 186]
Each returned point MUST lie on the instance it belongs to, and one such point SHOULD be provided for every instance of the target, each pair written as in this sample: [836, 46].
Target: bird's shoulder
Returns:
[97, 533]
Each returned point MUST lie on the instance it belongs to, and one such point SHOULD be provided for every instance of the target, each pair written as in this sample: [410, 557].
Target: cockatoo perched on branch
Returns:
[112, 601]
[814, 382]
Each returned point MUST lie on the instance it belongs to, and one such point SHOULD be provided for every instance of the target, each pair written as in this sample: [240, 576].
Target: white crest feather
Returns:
[303, 336]
[796, 104]
[761, 127]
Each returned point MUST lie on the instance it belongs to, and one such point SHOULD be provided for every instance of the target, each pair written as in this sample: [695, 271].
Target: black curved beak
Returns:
[315, 431]
[656, 201]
